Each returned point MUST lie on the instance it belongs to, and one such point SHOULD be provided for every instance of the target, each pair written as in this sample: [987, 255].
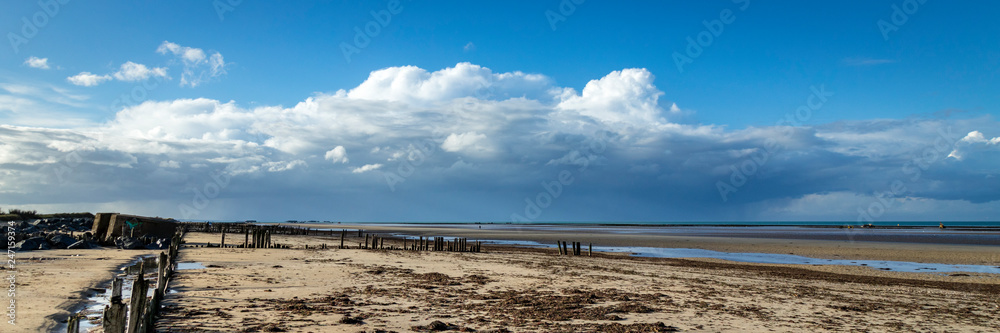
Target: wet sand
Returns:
[535, 290]
[816, 248]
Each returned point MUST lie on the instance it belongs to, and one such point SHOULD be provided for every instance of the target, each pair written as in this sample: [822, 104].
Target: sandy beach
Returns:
[535, 290]
[518, 289]
[51, 284]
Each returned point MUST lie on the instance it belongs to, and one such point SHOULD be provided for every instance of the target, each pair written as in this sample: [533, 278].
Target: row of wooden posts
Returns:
[577, 248]
[256, 238]
[421, 244]
[239, 228]
[140, 314]
[260, 237]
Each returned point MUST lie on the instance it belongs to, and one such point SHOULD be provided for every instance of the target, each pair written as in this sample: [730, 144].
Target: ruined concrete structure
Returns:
[107, 226]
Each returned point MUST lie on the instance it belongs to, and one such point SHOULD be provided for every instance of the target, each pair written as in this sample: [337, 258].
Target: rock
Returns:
[163, 242]
[61, 241]
[44, 246]
[128, 243]
[82, 245]
[157, 245]
[437, 325]
[30, 244]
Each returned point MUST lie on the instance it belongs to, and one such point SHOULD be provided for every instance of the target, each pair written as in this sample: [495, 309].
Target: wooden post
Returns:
[161, 273]
[246, 238]
[114, 316]
[366, 241]
[152, 310]
[343, 233]
[223, 244]
[73, 325]
[138, 303]
[116, 288]
[590, 249]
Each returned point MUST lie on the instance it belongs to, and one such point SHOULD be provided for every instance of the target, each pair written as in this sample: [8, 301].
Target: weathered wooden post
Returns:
[366, 241]
[590, 249]
[161, 273]
[114, 316]
[116, 288]
[138, 302]
[343, 233]
[73, 325]
[223, 244]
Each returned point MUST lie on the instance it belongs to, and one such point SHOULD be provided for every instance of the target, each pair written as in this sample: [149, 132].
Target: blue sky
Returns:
[261, 94]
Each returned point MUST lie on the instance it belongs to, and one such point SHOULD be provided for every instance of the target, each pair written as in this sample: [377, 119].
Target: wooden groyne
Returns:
[139, 315]
[575, 247]
[259, 237]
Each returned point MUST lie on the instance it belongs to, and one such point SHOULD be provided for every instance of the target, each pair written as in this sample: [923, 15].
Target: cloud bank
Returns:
[467, 144]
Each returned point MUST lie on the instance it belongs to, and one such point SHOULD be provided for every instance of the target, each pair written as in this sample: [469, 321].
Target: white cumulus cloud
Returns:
[338, 155]
[978, 137]
[470, 142]
[199, 66]
[442, 136]
[36, 62]
[87, 79]
[367, 167]
[627, 97]
[131, 71]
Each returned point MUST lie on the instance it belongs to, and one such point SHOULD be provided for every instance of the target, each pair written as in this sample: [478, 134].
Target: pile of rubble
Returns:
[52, 233]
